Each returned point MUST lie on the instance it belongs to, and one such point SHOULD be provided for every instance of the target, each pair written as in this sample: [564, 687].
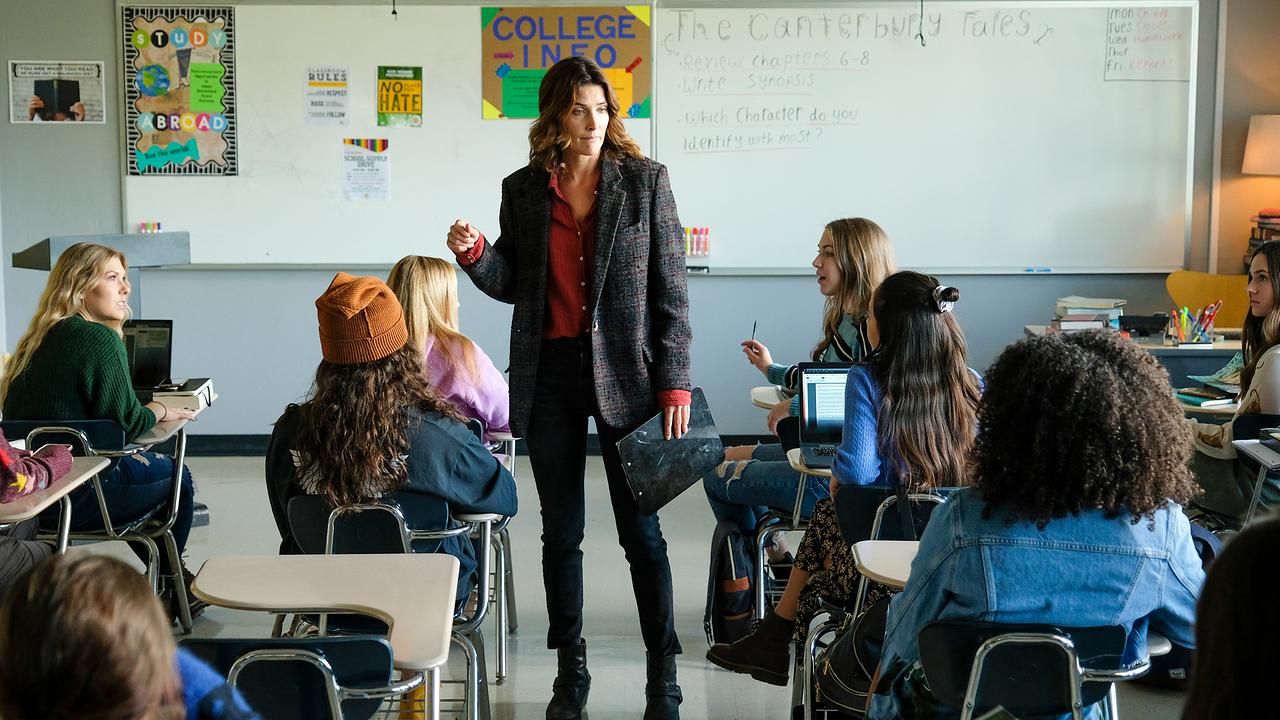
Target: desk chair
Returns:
[1192, 289]
[858, 524]
[105, 438]
[770, 524]
[382, 527]
[1029, 670]
[1243, 427]
[338, 678]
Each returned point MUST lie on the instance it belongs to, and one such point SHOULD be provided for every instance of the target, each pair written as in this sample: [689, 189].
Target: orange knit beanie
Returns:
[360, 320]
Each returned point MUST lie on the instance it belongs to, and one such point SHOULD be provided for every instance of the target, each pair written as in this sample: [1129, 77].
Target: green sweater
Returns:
[79, 372]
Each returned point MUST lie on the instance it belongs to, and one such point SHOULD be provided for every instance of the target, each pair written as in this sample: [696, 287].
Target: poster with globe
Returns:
[179, 90]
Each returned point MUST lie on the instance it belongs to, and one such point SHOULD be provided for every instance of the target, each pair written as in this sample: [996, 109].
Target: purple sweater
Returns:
[484, 398]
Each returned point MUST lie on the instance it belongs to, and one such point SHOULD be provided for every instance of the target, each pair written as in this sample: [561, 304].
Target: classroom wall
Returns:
[254, 330]
[1251, 86]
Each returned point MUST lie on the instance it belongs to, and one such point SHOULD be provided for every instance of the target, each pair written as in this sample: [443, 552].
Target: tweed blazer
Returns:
[639, 303]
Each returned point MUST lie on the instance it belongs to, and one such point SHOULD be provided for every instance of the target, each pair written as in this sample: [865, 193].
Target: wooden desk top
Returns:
[886, 561]
[766, 396]
[162, 431]
[1219, 347]
[793, 457]
[413, 593]
[29, 506]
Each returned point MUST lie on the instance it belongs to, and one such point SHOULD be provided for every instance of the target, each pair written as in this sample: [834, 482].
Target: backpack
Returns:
[730, 600]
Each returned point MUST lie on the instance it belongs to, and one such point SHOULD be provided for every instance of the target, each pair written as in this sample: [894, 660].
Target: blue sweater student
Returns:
[1074, 518]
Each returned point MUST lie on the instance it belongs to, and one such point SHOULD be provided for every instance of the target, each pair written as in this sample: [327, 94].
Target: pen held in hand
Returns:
[753, 330]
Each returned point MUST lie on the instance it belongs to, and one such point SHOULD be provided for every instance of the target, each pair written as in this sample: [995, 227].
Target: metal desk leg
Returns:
[1257, 494]
[433, 693]
[64, 524]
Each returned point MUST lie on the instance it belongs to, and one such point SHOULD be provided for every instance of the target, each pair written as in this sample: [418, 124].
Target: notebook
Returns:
[658, 469]
[149, 344]
[821, 411]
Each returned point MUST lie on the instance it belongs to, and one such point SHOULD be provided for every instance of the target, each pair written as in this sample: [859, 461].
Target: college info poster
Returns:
[518, 44]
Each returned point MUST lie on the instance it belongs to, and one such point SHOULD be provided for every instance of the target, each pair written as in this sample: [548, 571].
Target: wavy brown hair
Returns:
[928, 406]
[353, 439]
[1071, 423]
[1261, 333]
[865, 259]
[79, 269]
[84, 638]
[1236, 655]
[556, 94]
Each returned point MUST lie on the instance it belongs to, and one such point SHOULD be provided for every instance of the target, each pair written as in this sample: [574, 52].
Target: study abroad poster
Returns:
[518, 44]
[179, 89]
[56, 91]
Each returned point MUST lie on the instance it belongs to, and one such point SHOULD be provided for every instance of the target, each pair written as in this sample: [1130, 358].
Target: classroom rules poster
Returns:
[179, 89]
[518, 44]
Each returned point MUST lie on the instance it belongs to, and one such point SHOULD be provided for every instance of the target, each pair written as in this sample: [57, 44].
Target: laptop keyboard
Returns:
[824, 450]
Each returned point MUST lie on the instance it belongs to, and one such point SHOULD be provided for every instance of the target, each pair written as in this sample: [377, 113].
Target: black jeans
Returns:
[557, 440]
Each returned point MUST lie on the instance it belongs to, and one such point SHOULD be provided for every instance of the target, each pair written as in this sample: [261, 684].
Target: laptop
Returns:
[821, 411]
[149, 344]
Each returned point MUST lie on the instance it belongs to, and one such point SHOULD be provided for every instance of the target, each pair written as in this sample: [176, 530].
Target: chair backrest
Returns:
[1030, 677]
[88, 436]
[380, 527]
[1248, 427]
[863, 512]
[476, 425]
[1188, 288]
[297, 687]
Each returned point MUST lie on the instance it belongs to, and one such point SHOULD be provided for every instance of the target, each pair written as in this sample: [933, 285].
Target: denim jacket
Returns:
[1079, 571]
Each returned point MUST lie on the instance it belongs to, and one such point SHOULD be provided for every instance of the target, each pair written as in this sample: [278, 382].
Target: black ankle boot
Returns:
[764, 654]
[662, 694]
[573, 682]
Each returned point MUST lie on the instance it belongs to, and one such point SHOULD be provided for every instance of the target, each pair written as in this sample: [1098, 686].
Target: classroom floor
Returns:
[241, 523]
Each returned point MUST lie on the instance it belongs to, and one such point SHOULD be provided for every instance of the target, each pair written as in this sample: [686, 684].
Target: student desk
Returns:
[1180, 362]
[888, 562]
[1268, 461]
[414, 593]
[29, 506]
[766, 396]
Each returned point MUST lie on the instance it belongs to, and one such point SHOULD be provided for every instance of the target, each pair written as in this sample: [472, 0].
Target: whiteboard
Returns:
[978, 152]
[287, 204]
[1007, 143]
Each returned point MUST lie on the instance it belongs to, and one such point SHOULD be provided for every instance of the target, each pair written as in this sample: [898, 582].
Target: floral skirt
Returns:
[833, 577]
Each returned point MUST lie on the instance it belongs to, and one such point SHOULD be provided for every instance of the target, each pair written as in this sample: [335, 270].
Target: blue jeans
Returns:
[135, 486]
[743, 491]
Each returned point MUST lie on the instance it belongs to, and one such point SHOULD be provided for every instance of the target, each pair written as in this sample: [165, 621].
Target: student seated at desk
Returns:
[455, 366]
[909, 419]
[854, 256]
[373, 425]
[1227, 485]
[1073, 517]
[22, 473]
[70, 364]
[83, 637]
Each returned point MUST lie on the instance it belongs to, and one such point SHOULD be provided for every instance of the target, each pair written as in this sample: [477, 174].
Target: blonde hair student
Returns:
[427, 288]
[71, 364]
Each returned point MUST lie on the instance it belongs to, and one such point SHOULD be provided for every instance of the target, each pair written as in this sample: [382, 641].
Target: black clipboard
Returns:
[657, 469]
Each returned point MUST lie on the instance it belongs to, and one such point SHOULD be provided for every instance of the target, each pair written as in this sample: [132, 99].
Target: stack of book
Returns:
[1078, 322]
[1113, 308]
[1205, 396]
[1266, 227]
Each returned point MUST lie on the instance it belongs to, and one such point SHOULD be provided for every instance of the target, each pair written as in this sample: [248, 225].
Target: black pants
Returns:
[19, 552]
[557, 440]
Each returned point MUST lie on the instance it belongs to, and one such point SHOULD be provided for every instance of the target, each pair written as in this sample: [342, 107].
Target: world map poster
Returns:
[179, 90]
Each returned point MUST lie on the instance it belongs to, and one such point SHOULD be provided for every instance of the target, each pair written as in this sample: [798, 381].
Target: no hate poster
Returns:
[518, 44]
[399, 96]
[179, 89]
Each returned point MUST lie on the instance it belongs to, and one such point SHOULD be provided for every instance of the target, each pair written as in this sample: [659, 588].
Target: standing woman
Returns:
[591, 254]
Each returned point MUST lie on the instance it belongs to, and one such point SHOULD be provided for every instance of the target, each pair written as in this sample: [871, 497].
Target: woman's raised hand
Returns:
[758, 355]
[462, 237]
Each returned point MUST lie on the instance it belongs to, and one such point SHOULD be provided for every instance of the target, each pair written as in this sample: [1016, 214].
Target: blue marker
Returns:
[1038, 270]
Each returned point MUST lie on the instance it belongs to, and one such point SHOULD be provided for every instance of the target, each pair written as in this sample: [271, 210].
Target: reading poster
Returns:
[179, 90]
[518, 44]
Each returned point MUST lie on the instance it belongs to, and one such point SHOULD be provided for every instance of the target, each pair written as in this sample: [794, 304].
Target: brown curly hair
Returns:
[1088, 421]
[353, 432]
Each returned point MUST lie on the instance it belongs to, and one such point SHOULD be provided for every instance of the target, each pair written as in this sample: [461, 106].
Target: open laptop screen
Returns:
[822, 402]
[149, 344]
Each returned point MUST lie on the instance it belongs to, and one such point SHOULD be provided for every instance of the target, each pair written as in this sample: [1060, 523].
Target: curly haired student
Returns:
[1079, 470]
